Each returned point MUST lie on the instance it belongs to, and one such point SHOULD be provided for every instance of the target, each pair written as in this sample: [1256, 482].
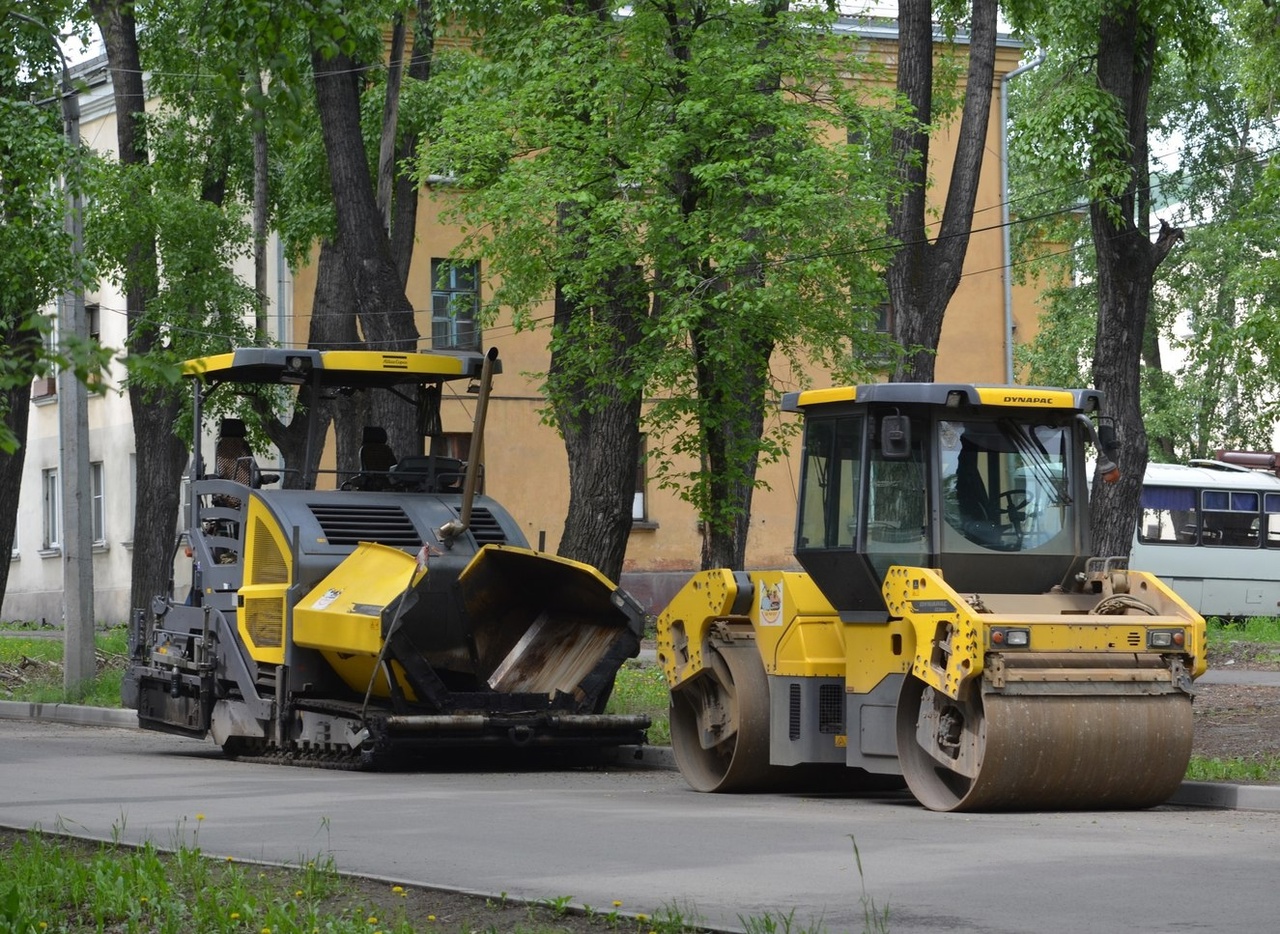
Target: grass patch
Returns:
[1237, 769]
[1253, 629]
[51, 883]
[642, 689]
[31, 667]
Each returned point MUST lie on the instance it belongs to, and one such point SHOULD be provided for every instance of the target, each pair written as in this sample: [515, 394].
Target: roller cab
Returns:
[949, 627]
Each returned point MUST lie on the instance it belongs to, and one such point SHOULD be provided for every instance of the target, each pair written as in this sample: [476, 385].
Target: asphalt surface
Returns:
[642, 837]
[1221, 795]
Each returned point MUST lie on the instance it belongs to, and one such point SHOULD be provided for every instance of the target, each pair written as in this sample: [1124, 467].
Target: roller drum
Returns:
[1043, 751]
[720, 724]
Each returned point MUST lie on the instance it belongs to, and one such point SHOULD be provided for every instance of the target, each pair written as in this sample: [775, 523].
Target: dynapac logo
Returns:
[1029, 400]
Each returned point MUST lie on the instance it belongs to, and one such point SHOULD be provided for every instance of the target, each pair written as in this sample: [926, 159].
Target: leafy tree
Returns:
[1093, 132]
[663, 171]
[37, 170]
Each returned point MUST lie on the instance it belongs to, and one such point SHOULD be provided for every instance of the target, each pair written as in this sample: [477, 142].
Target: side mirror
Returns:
[895, 437]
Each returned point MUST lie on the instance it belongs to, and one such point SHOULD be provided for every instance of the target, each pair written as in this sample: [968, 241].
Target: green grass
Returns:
[51, 883]
[36, 667]
[642, 689]
[1265, 769]
[1253, 629]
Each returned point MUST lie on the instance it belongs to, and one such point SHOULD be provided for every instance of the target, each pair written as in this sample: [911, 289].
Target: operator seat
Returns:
[376, 459]
[234, 460]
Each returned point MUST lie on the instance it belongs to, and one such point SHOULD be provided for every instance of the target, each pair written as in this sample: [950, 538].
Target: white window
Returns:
[455, 302]
[98, 500]
[639, 508]
[52, 509]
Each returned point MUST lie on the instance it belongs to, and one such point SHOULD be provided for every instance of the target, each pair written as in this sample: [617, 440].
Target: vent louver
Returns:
[485, 528]
[347, 524]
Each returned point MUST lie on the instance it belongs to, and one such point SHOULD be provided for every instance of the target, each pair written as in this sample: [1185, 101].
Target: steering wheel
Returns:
[1013, 503]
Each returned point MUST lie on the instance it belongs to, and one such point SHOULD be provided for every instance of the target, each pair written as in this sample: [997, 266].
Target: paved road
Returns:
[642, 837]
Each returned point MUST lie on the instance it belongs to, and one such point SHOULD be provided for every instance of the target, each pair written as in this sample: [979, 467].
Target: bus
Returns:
[1211, 530]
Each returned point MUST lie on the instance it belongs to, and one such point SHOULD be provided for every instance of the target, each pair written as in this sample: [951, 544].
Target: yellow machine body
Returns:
[386, 612]
[1066, 696]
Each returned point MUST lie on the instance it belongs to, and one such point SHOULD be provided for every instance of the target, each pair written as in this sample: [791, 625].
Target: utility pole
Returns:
[79, 659]
[78, 656]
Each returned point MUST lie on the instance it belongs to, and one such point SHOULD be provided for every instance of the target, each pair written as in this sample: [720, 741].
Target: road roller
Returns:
[949, 628]
[394, 612]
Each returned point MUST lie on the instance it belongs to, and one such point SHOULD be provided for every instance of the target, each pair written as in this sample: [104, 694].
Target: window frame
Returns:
[454, 326]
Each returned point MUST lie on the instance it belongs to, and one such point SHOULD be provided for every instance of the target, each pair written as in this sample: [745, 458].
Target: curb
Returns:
[1215, 795]
[68, 713]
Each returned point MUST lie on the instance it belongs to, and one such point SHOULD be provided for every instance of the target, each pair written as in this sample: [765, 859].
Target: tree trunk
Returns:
[404, 211]
[161, 455]
[601, 432]
[332, 328]
[384, 313]
[1127, 261]
[732, 424]
[923, 274]
[23, 342]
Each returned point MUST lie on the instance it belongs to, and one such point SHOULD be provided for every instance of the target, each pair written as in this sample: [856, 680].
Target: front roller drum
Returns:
[996, 752]
[720, 723]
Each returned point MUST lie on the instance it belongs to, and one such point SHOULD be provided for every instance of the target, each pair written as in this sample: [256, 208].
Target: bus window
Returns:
[1230, 517]
[1271, 506]
[1169, 515]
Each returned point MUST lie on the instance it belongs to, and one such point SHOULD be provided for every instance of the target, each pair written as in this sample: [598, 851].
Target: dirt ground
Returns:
[1238, 720]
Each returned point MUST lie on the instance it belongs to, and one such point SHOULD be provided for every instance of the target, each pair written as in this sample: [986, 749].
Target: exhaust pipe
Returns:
[455, 527]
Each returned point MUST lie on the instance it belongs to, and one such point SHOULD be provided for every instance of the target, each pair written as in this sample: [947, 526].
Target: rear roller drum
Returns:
[1030, 752]
[720, 723]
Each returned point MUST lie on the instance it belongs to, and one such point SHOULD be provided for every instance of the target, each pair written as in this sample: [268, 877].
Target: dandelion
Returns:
[298, 894]
[617, 904]
[144, 899]
[372, 920]
[398, 889]
[642, 918]
[431, 917]
[44, 925]
[235, 916]
[231, 859]
[199, 817]
[266, 931]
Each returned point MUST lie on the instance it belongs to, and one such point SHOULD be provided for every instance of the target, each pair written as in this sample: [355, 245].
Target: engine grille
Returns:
[485, 528]
[350, 524]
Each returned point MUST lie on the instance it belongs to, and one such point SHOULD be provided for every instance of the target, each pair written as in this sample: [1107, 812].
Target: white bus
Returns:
[1211, 530]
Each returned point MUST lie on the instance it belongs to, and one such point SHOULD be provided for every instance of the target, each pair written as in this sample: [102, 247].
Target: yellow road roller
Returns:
[949, 628]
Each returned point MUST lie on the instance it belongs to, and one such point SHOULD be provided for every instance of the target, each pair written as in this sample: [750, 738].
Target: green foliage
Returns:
[39, 172]
[1214, 308]
[591, 145]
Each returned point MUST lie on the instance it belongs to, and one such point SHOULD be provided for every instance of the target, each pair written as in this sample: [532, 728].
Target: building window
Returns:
[52, 510]
[639, 502]
[93, 318]
[98, 508]
[884, 318]
[455, 303]
[133, 498]
[46, 387]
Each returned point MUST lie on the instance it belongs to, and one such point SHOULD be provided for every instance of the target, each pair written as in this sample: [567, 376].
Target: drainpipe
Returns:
[1004, 211]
